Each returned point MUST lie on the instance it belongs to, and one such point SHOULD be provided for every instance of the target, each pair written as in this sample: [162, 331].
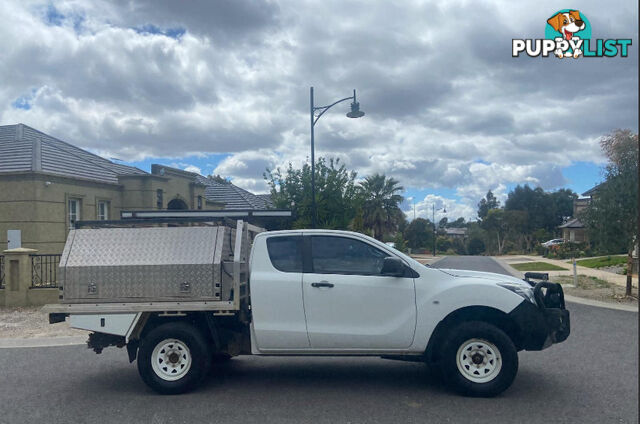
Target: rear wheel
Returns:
[479, 359]
[173, 358]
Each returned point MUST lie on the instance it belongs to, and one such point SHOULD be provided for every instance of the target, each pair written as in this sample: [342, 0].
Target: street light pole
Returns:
[355, 113]
[313, 164]
[435, 231]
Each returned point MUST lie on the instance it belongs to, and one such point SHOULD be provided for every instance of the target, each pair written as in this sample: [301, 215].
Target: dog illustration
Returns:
[567, 24]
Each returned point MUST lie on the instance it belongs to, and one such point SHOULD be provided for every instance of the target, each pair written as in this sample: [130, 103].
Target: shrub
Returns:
[398, 240]
[567, 250]
[541, 250]
[476, 246]
[443, 244]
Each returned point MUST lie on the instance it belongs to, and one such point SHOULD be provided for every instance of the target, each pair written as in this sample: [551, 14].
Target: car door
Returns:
[348, 303]
[276, 294]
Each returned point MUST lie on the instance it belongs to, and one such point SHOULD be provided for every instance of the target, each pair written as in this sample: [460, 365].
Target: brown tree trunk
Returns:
[629, 272]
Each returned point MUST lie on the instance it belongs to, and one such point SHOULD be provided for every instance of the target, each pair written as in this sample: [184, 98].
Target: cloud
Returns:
[193, 168]
[438, 207]
[446, 104]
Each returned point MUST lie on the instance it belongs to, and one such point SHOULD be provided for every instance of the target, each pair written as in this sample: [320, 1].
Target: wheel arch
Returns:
[486, 314]
[202, 321]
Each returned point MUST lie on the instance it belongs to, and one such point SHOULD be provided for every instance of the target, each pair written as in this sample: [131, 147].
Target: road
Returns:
[591, 378]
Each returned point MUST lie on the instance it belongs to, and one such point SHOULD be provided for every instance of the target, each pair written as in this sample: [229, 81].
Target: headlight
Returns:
[519, 289]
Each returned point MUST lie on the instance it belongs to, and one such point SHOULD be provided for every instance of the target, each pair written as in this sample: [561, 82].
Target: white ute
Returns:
[177, 304]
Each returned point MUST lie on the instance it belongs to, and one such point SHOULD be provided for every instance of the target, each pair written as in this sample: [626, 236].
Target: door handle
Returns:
[322, 284]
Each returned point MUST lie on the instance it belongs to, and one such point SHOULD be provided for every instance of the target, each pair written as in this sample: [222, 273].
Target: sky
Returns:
[222, 87]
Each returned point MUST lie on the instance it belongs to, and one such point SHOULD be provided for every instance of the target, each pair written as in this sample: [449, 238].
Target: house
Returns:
[456, 233]
[232, 196]
[47, 184]
[573, 229]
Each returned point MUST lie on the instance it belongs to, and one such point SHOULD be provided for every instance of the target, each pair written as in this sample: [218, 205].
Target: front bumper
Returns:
[545, 323]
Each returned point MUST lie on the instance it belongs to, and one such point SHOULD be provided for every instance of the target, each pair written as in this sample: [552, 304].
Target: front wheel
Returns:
[479, 359]
[173, 358]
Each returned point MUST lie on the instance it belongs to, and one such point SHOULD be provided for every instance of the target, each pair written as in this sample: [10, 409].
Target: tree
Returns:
[419, 233]
[538, 210]
[546, 210]
[611, 217]
[399, 242]
[381, 204]
[458, 223]
[337, 196]
[476, 246]
[563, 204]
[496, 225]
[536, 202]
[517, 224]
[478, 238]
[486, 204]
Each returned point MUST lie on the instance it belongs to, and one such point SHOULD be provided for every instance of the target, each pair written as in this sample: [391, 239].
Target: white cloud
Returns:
[446, 106]
[440, 207]
[193, 168]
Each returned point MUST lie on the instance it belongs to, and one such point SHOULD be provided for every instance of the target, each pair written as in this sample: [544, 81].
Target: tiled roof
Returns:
[593, 190]
[231, 195]
[452, 231]
[24, 149]
[266, 198]
[572, 223]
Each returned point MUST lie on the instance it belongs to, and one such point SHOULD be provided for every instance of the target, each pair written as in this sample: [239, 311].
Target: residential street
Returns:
[591, 378]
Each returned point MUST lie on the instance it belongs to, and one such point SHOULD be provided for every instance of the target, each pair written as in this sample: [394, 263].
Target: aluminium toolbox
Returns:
[148, 264]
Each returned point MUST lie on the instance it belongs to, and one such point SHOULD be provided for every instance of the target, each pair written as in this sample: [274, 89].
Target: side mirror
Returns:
[392, 267]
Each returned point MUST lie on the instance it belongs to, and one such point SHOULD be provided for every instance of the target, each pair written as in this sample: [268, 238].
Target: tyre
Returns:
[478, 359]
[173, 358]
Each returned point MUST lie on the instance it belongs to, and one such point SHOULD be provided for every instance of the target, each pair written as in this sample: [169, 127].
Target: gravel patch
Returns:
[616, 269]
[30, 322]
[596, 289]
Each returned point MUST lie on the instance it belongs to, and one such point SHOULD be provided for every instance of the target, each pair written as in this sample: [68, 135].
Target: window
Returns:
[74, 211]
[199, 202]
[159, 199]
[342, 255]
[103, 210]
[285, 253]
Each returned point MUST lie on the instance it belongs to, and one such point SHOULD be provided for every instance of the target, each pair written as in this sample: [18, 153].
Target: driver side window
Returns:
[343, 255]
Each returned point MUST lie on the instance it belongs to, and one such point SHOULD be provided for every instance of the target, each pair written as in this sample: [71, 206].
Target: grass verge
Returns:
[537, 266]
[603, 261]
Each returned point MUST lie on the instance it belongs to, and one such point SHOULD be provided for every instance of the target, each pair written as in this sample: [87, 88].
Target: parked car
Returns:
[553, 242]
[178, 297]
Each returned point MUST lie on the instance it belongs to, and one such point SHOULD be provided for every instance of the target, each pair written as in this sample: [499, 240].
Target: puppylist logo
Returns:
[568, 35]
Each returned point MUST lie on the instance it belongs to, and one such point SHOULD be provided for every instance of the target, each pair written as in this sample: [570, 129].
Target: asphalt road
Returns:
[591, 378]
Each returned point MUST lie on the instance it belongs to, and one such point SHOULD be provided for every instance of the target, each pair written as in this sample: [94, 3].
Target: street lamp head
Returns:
[355, 111]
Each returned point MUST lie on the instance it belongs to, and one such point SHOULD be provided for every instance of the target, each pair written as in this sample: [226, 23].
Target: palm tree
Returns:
[380, 207]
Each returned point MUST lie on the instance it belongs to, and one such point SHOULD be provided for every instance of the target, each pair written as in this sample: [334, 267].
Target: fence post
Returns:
[17, 276]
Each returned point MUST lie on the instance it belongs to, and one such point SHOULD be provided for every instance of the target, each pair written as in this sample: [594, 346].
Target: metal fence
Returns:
[44, 271]
[1, 271]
